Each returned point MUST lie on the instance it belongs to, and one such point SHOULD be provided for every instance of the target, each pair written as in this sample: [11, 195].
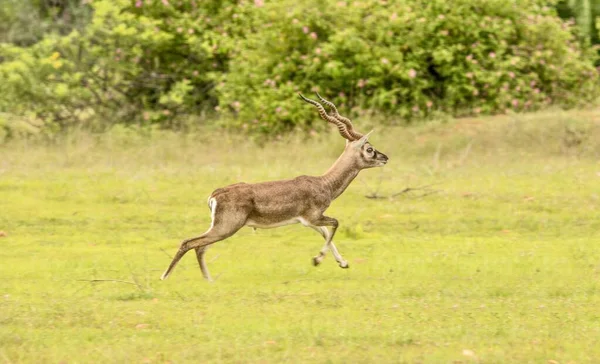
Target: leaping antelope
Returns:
[303, 199]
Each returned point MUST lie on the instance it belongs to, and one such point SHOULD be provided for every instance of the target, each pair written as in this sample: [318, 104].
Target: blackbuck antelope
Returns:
[302, 200]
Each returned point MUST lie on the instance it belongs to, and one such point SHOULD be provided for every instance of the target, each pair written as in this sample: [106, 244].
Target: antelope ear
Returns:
[363, 140]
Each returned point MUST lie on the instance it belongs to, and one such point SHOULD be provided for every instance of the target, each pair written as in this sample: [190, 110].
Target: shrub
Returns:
[407, 58]
[153, 62]
[143, 62]
[25, 22]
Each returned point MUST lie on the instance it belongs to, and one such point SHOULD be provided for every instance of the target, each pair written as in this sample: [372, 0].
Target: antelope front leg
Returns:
[338, 256]
[325, 234]
[321, 225]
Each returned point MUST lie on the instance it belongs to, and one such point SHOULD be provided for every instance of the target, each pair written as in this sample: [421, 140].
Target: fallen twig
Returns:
[107, 280]
[166, 253]
[427, 191]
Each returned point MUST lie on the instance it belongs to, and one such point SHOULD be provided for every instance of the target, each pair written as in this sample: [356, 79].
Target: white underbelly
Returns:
[255, 224]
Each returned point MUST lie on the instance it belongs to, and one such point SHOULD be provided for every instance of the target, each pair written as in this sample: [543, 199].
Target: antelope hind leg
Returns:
[200, 256]
[223, 226]
[200, 242]
[186, 245]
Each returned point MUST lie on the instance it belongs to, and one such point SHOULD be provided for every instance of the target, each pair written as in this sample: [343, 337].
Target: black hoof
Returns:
[316, 261]
[345, 266]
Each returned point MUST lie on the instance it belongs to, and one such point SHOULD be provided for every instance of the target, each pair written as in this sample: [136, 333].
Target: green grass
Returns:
[500, 263]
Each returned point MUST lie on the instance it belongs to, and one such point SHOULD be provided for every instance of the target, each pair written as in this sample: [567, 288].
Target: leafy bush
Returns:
[154, 62]
[135, 62]
[25, 22]
[407, 58]
[583, 12]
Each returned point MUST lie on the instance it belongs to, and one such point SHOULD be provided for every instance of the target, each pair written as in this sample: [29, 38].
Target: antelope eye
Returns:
[370, 150]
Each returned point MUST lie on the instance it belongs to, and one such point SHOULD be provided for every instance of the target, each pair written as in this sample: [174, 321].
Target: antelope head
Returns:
[358, 148]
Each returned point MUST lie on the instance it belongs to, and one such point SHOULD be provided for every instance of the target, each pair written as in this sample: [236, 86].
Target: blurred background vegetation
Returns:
[177, 64]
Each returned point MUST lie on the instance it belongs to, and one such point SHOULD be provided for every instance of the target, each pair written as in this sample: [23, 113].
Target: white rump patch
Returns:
[212, 204]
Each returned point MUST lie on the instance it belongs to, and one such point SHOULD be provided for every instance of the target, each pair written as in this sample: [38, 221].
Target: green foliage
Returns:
[584, 13]
[158, 62]
[135, 62]
[25, 22]
[406, 58]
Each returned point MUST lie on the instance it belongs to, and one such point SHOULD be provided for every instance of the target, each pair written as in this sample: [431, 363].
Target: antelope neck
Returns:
[340, 175]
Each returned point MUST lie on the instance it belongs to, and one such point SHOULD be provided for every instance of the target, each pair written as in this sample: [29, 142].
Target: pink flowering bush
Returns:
[406, 60]
[155, 62]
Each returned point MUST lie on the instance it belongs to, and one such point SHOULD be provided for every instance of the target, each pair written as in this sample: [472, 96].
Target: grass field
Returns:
[496, 258]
